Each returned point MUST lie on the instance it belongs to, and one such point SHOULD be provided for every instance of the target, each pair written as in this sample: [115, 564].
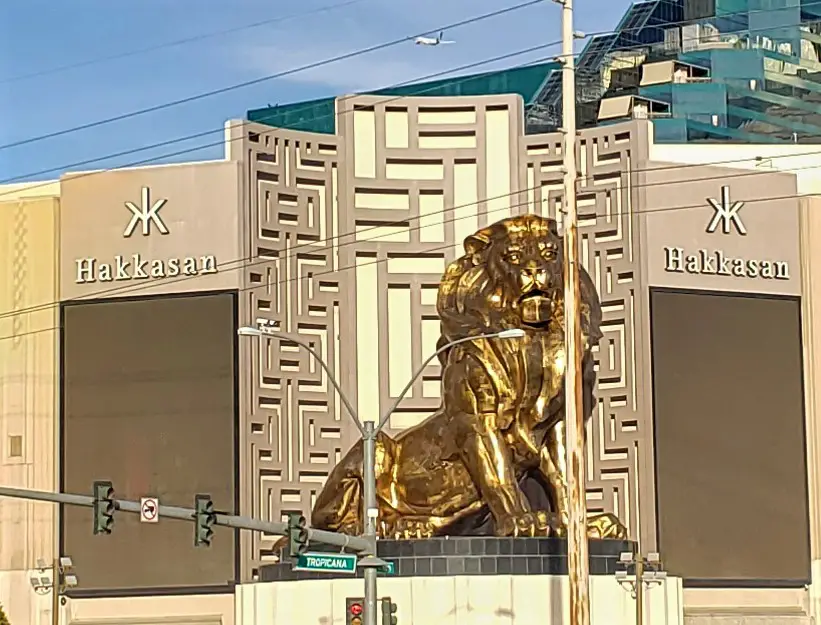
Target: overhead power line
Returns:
[256, 81]
[178, 42]
[221, 131]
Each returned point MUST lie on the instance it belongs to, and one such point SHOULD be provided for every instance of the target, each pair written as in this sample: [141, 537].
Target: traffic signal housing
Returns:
[388, 611]
[354, 608]
[297, 535]
[103, 507]
[204, 520]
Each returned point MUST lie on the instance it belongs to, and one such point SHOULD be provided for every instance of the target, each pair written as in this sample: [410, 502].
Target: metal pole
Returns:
[640, 590]
[56, 584]
[577, 547]
[370, 512]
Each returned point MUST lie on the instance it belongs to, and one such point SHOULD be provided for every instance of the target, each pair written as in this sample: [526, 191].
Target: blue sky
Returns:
[118, 72]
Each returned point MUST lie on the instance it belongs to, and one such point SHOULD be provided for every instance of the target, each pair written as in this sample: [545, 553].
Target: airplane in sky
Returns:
[432, 41]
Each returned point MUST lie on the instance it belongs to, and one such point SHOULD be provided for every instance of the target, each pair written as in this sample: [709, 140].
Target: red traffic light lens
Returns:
[356, 609]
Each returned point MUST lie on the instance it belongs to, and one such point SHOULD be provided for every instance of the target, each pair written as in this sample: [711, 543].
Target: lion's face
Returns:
[523, 258]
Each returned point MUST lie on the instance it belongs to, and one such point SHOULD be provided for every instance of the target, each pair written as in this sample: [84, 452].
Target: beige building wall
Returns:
[811, 264]
[802, 160]
[150, 231]
[687, 238]
[159, 610]
[29, 249]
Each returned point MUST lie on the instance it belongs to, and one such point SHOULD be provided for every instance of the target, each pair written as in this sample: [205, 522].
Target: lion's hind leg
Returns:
[344, 512]
[339, 506]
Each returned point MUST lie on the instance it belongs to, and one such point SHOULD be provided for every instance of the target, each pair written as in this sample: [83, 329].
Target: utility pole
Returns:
[577, 547]
[370, 512]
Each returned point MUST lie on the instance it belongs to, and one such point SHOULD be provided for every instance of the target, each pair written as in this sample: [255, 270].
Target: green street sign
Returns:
[388, 569]
[327, 563]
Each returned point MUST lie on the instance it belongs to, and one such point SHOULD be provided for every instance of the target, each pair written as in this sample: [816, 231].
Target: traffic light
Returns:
[204, 520]
[353, 611]
[104, 507]
[388, 611]
[297, 535]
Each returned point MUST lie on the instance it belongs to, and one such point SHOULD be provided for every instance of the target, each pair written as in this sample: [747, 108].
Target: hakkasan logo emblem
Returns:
[145, 219]
[726, 220]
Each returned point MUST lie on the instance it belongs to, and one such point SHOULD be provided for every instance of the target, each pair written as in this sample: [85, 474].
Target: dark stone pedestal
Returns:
[471, 556]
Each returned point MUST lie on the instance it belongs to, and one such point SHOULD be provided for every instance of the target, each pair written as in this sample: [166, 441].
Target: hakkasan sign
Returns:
[145, 218]
[704, 261]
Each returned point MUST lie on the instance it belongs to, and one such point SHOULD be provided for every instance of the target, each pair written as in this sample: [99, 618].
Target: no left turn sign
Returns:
[149, 510]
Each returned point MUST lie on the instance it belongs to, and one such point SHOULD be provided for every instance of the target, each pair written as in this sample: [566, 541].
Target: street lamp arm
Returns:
[304, 345]
[424, 365]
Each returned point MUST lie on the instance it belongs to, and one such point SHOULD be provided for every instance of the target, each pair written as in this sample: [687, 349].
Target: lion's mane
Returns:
[473, 299]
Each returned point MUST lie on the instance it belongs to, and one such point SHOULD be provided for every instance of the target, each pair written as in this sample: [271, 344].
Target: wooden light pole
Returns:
[577, 547]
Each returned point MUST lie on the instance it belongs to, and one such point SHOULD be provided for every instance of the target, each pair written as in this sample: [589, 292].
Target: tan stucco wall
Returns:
[811, 264]
[678, 218]
[197, 222]
[29, 246]
[458, 600]
[166, 610]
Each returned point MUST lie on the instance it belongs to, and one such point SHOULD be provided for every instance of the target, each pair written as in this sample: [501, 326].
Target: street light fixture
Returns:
[61, 579]
[635, 571]
[369, 431]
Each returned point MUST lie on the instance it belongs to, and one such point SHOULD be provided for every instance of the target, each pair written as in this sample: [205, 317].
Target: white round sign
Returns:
[149, 510]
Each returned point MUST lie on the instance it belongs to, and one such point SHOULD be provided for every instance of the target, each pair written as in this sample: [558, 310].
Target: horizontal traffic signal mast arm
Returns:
[352, 543]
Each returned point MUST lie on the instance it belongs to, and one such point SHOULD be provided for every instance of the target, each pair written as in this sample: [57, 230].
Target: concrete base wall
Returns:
[468, 600]
[20, 603]
[170, 610]
[747, 619]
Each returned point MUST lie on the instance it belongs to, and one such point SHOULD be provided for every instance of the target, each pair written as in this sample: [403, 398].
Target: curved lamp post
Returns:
[369, 431]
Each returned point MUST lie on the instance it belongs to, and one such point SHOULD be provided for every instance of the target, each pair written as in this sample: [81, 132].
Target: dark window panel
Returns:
[148, 402]
[729, 437]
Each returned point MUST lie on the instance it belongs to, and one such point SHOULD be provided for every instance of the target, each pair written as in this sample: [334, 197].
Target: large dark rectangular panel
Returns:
[729, 437]
[148, 402]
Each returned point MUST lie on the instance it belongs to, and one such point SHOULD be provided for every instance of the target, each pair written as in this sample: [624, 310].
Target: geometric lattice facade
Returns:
[347, 237]
[606, 196]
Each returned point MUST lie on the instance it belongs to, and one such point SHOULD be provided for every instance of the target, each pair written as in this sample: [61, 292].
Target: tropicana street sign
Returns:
[327, 563]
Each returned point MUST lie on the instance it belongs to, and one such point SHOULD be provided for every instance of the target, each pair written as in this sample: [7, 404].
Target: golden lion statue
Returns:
[491, 460]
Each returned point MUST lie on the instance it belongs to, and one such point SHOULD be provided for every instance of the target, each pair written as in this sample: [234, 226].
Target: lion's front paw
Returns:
[605, 525]
[538, 523]
[405, 529]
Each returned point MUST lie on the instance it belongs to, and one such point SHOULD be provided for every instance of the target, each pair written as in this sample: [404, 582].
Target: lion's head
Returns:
[511, 275]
